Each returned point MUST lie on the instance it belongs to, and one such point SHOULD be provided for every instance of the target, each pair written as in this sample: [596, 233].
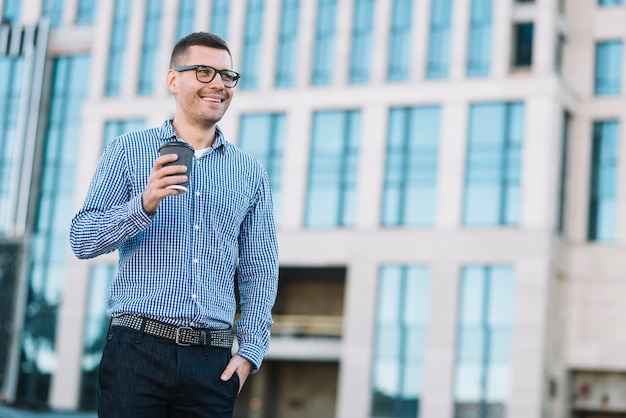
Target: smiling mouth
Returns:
[212, 99]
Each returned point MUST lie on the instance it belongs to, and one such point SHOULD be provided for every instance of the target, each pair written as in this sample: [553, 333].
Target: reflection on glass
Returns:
[49, 242]
[263, 136]
[400, 40]
[484, 336]
[331, 197]
[186, 17]
[563, 174]
[608, 79]
[439, 39]
[53, 10]
[610, 2]
[409, 196]
[115, 128]
[11, 11]
[253, 35]
[10, 103]
[603, 193]
[85, 12]
[117, 49]
[401, 319]
[523, 47]
[323, 60]
[219, 18]
[479, 48]
[150, 47]
[96, 325]
[361, 45]
[492, 190]
[287, 44]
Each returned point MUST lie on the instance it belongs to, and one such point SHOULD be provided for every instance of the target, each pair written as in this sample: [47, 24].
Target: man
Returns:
[168, 350]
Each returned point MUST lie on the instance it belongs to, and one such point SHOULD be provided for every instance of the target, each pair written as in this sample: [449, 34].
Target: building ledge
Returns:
[304, 349]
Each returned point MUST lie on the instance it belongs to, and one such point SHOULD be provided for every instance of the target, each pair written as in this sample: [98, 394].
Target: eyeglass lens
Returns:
[207, 74]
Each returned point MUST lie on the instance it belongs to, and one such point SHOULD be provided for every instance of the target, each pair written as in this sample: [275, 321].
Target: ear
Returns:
[171, 81]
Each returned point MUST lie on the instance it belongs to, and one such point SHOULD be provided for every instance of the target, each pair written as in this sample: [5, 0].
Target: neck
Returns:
[196, 136]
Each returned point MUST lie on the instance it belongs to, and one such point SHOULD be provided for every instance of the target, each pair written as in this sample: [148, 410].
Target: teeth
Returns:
[210, 99]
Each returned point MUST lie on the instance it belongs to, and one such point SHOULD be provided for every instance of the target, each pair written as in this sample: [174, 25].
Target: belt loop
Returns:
[207, 347]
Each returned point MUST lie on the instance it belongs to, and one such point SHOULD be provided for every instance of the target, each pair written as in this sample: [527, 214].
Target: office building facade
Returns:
[447, 177]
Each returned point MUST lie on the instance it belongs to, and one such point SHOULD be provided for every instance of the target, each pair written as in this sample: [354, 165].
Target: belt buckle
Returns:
[177, 340]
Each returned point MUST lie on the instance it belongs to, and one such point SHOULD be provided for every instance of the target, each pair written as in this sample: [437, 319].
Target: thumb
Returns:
[227, 373]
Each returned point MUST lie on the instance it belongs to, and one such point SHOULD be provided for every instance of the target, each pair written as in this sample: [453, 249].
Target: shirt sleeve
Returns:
[109, 215]
[258, 276]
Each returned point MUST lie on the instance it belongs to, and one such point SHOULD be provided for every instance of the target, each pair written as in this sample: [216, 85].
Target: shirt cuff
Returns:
[252, 354]
[137, 214]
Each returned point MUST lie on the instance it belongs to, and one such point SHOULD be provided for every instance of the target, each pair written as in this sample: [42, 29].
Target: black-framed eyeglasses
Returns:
[206, 74]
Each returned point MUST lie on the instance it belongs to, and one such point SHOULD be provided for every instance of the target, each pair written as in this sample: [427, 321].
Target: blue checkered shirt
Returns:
[178, 266]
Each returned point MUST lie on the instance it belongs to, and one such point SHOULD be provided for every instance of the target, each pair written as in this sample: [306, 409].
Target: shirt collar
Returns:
[219, 141]
[168, 133]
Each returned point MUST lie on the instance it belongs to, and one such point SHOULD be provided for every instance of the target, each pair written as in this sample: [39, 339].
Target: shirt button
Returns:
[195, 260]
[192, 324]
[197, 193]
[196, 227]
[194, 296]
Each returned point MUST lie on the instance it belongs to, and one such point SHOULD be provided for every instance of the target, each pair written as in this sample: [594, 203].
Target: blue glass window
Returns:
[85, 12]
[400, 342]
[492, 190]
[439, 39]
[331, 198]
[11, 10]
[53, 10]
[479, 51]
[263, 136]
[10, 103]
[115, 128]
[400, 40]
[150, 47]
[523, 47]
[610, 2]
[603, 193]
[186, 18]
[560, 224]
[324, 49]
[608, 80]
[94, 336]
[49, 242]
[409, 197]
[253, 35]
[360, 51]
[287, 44]
[484, 336]
[219, 18]
[117, 49]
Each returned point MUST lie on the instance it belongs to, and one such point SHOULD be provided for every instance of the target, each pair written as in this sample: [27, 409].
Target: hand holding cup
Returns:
[185, 157]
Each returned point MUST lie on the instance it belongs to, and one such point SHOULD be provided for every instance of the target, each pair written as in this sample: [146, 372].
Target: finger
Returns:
[171, 170]
[227, 373]
[164, 159]
[170, 181]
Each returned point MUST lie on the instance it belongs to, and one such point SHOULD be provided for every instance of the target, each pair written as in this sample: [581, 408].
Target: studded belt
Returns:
[184, 336]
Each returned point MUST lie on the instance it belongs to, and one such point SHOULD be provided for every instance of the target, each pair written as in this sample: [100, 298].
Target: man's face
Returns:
[201, 103]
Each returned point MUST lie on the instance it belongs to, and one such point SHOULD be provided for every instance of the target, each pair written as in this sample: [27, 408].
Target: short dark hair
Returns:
[197, 38]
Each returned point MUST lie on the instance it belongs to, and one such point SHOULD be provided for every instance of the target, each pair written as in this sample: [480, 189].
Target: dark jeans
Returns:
[144, 376]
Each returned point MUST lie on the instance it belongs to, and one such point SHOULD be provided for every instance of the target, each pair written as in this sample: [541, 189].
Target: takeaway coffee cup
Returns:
[185, 157]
